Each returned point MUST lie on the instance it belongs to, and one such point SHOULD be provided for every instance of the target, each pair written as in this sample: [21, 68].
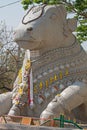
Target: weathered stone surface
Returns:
[5, 102]
[60, 57]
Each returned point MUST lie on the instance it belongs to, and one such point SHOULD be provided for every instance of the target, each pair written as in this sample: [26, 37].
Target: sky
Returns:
[13, 14]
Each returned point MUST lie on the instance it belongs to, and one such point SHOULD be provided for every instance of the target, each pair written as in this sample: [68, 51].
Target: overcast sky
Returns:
[11, 14]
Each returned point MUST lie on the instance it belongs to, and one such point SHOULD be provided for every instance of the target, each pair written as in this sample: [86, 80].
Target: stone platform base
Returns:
[23, 127]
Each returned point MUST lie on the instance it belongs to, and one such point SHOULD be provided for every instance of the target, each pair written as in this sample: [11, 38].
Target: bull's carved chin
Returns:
[31, 45]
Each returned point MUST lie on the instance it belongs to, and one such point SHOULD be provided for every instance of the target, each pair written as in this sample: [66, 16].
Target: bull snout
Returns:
[18, 35]
[21, 34]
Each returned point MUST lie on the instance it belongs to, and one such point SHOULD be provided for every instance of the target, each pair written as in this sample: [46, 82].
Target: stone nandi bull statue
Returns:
[59, 65]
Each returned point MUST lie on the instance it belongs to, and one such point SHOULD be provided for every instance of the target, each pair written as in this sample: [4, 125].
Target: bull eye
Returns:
[29, 29]
[53, 16]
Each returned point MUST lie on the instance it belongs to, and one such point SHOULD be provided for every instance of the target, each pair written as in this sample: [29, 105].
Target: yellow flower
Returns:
[41, 85]
[28, 64]
[55, 77]
[35, 89]
[20, 91]
[58, 95]
[61, 75]
[47, 84]
[20, 76]
[51, 80]
[17, 102]
[20, 72]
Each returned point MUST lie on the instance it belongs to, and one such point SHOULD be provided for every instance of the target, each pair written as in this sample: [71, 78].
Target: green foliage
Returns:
[28, 2]
[82, 31]
[79, 7]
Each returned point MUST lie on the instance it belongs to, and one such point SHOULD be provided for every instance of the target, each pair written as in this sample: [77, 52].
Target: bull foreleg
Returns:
[69, 99]
[5, 103]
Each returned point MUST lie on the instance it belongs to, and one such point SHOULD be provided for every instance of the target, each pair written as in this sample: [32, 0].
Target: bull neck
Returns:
[60, 52]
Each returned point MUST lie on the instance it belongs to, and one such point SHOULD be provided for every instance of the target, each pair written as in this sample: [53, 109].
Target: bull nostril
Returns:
[29, 29]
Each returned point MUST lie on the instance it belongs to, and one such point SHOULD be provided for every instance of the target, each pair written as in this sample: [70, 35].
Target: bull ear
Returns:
[69, 26]
[72, 24]
[53, 16]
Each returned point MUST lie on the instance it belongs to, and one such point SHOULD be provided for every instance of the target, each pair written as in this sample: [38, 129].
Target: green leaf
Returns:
[25, 7]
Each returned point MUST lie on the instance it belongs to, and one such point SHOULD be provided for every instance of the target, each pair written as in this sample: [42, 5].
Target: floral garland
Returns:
[24, 84]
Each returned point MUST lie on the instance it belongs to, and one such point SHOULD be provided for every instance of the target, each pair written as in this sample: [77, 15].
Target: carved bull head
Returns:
[45, 27]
